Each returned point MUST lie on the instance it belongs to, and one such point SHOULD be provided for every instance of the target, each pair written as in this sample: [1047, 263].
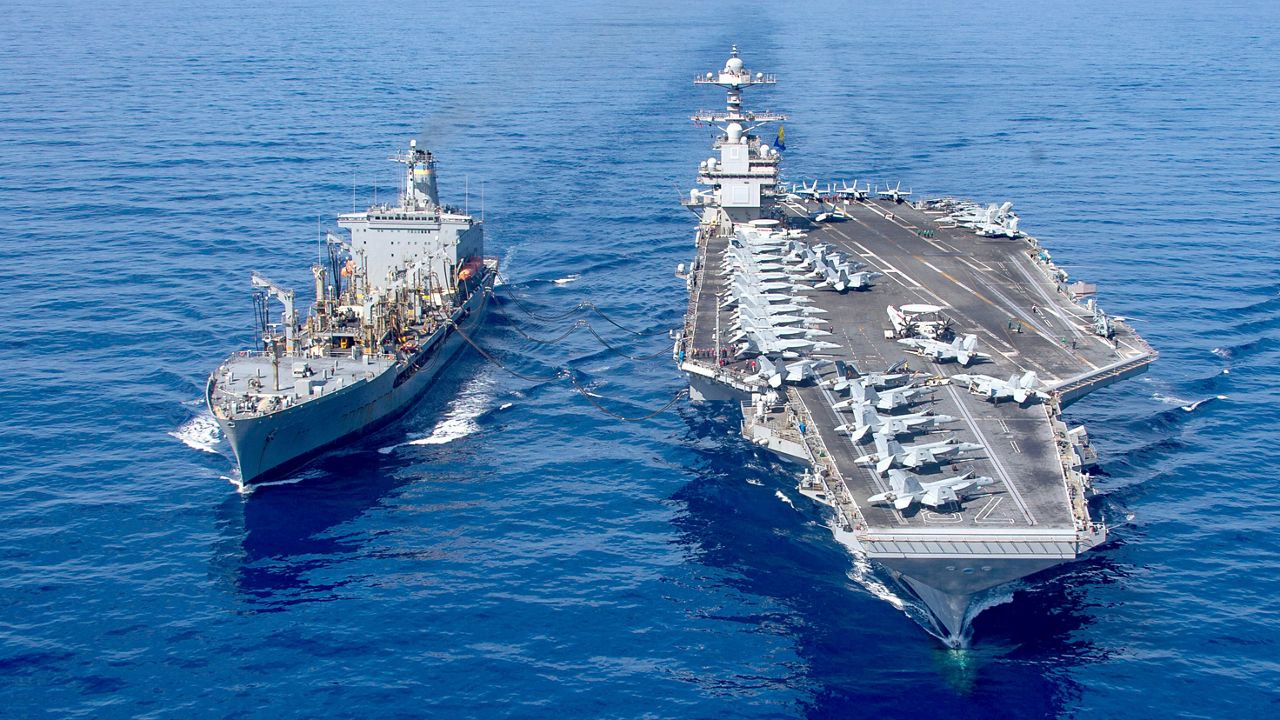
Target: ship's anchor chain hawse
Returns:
[564, 372]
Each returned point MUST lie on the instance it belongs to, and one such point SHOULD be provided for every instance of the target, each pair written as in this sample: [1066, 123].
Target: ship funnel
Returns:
[422, 176]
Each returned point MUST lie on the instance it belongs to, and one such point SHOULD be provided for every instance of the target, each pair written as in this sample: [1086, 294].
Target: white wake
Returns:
[459, 420]
[200, 432]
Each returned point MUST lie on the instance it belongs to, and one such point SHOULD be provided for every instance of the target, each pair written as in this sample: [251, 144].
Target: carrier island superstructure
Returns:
[913, 358]
[392, 307]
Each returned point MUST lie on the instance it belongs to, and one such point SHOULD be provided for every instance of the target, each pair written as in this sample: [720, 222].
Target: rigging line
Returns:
[591, 398]
[531, 378]
[562, 372]
[550, 341]
[616, 351]
[638, 333]
[525, 309]
[580, 306]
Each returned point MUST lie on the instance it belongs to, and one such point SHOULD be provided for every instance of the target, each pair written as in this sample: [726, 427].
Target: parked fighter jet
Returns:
[866, 419]
[774, 375]
[747, 314]
[890, 452]
[811, 193]
[889, 399]
[962, 350]
[852, 192]
[896, 193]
[764, 307]
[1018, 388]
[878, 380]
[908, 490]
[764, 341]
[1007, 227]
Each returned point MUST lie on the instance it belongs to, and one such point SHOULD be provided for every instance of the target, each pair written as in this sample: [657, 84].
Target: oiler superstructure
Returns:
[392, 307]
[914, 359]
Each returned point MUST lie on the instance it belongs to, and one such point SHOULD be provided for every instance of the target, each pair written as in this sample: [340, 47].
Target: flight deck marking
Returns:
[992, 456]
[984, 515]
[1049, 302]
[981, 328]
[931, 516]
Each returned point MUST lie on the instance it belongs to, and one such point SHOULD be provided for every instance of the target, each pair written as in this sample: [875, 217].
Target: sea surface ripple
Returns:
[507, 550]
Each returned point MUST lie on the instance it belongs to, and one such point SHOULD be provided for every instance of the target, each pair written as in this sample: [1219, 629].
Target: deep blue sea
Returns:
[509, 551]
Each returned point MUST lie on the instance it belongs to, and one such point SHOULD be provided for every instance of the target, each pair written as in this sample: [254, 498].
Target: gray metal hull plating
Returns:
[266, 447]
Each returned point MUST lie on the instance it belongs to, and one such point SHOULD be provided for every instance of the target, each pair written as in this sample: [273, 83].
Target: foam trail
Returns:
[862, 572]
[566, 280]
[199, 433]
[246, 489]
[1191, 407]
[781, 496]
[460, 420]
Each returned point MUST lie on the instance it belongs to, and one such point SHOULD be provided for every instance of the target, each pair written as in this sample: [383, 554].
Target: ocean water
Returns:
[510, 551]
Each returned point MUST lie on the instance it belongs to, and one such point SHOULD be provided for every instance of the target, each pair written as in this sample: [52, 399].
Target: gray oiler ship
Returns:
[393, 306]
[914, 358]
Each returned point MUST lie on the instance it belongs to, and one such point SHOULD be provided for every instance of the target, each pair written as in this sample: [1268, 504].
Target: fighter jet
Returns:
[774, 376]
[878, 380]
[782, 331]
[895, 193]
[763, 308]
[835, 214]
[890, 452]
[764, 341]
[862, 280]
[744, 285]
[746, 315]
[908, 490]
[1018, 388]
[962, 350]
[1008, 228]
[809, 192]
[972, 215]
[852, 192]
[866, 420]
[840, 279]
[890, 399]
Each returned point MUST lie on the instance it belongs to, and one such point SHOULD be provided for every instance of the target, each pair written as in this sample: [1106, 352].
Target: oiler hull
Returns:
[269, 447]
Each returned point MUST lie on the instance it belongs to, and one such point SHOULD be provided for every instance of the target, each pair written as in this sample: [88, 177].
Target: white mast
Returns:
[744, 178]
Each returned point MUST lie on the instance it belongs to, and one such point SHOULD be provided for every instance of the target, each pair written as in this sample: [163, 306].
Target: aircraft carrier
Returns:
[391, 310]
[914, 358]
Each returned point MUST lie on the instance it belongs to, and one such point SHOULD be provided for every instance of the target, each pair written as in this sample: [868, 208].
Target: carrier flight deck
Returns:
[913, 357]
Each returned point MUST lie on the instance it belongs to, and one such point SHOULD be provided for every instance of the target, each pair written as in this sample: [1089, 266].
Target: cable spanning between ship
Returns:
[568, 372]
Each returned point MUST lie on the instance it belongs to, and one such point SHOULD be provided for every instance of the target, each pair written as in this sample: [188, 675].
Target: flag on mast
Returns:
[780, 141]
